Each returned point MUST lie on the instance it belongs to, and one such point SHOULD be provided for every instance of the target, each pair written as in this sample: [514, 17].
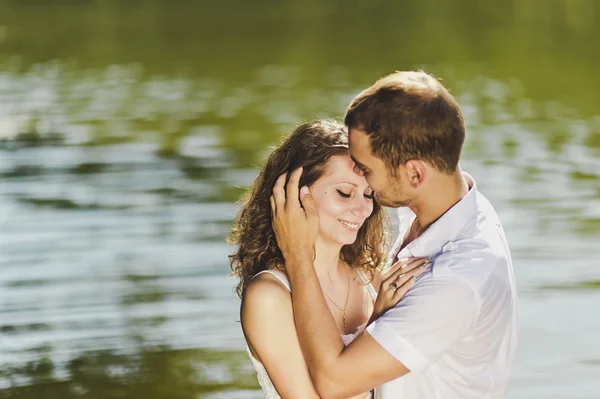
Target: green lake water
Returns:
[129, 129]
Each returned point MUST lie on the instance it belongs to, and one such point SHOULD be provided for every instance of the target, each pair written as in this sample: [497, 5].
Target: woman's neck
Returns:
[327, 261]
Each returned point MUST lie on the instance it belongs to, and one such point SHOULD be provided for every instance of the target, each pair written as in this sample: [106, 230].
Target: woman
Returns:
[349, 249]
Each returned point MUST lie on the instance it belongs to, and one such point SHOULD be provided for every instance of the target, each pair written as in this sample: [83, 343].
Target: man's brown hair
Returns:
[410, 115]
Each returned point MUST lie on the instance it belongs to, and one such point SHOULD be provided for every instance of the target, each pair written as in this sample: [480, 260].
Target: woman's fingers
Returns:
[405, 281]
[404, 264]
[402, 290]
[414, 263]
[396, 282]
[402, 268]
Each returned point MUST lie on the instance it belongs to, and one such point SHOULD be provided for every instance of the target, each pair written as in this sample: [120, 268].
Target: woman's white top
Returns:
[261, 372]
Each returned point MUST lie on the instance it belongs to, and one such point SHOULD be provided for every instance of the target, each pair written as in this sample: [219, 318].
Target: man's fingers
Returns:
[273, 205]
[291, 190]
[308, 203]
[279, 191]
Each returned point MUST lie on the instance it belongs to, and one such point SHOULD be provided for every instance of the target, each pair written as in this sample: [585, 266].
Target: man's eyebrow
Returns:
[356, 162]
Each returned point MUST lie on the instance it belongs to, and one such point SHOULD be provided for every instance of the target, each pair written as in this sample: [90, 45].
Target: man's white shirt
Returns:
[456, 329]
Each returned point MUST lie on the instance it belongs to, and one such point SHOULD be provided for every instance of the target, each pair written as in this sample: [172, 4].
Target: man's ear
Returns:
[415, 172]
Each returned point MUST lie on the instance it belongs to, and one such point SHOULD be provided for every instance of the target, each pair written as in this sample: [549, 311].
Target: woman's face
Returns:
[343, 200]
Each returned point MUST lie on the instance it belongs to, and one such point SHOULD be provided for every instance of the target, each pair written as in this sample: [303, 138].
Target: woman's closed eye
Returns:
[343, 194]
[347, 195]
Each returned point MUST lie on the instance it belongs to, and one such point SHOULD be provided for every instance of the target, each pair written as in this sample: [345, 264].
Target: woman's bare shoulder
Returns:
[265, 292]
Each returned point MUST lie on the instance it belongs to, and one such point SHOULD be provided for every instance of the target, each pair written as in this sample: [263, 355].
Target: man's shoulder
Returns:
[476, 261]
[468, 256]
[482, 244]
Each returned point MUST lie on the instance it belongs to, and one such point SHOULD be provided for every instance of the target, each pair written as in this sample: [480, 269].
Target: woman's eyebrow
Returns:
[348, 182]
[354, 184]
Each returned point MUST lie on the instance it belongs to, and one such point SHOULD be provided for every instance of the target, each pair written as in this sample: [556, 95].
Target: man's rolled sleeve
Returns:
[434, 315]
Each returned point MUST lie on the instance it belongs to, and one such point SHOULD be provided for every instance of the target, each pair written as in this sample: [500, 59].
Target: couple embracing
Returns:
[326, 312]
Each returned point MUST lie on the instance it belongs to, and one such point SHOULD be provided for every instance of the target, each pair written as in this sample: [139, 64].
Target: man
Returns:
[454, 334]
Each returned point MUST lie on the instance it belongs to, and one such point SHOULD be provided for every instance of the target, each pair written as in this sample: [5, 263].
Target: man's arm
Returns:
[429, 320]
[434, 315]
[336, 371]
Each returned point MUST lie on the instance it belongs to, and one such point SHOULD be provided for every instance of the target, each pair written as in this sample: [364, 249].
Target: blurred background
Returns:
[129, 129]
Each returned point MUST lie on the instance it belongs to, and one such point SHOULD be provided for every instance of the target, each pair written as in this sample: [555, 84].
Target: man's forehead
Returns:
[359, 136]
[359, 145]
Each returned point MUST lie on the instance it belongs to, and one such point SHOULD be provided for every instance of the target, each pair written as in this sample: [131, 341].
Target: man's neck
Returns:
[445, 192]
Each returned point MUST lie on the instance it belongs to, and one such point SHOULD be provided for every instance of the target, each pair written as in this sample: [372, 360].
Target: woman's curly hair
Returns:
[311, 145]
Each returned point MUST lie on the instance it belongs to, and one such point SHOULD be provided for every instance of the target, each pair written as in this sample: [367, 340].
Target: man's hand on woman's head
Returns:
[294, 217]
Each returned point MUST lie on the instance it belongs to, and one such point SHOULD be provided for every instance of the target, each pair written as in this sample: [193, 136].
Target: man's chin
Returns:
[391, 204]
[386, 202]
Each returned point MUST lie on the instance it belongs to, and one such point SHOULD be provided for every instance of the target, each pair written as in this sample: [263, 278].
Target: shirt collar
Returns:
[442, 231]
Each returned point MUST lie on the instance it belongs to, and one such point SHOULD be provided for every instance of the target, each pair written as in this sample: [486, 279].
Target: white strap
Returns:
[279, 275]
[368, 284]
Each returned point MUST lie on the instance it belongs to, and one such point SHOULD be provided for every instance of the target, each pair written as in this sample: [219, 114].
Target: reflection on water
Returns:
[129, 130]
[158, 373]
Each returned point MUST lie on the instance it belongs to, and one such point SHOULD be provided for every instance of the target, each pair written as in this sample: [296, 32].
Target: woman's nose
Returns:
[363, 207]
